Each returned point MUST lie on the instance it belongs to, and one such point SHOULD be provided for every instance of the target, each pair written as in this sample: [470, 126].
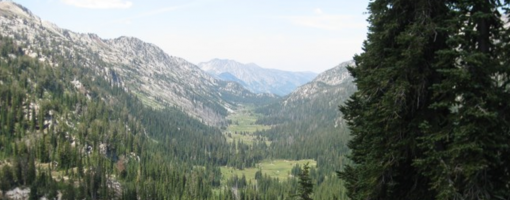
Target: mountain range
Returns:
[157, 78]
[256, 78]
[160, 80]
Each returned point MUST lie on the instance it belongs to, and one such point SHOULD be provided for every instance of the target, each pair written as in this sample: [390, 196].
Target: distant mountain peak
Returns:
[256, 78]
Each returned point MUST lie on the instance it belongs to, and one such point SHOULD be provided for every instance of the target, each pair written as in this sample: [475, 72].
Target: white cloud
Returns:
[99, 4]
[317, 11]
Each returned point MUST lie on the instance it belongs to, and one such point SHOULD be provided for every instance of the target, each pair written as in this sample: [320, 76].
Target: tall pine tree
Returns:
[428, 119]
[467, 147]
[305, 184]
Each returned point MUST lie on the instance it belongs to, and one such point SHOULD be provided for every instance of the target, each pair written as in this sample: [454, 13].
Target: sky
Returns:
[291, 35]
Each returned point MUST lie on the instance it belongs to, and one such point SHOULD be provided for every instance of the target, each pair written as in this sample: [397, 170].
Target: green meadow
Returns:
[280, 169]
[243, 125]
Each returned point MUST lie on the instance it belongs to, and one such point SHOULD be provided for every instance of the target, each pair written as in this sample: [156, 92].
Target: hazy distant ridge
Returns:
[256, 78]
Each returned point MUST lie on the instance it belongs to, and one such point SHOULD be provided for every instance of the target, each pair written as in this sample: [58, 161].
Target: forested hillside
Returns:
[63, 133]
[307, 123]
[86, 138]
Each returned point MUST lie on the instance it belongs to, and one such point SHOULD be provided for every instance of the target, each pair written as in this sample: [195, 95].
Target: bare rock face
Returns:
[157, 78]
[17, 193]
[115, 186]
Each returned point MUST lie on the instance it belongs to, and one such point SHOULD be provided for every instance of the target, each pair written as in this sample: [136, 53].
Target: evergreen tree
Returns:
[466, 146]
[33, 192]
[6, 178]
[31, 171]
[429, 119]
[305, 184]
[69, 192]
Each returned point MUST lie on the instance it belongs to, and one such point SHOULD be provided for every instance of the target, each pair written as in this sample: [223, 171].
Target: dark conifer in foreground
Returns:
[466, 144]
[430, 117]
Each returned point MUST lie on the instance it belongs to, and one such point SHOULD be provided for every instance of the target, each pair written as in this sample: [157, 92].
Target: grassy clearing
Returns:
[247, 138]
[57, 174]
[148, 101]
[241, 129]
[243, 120]
[243, 125]
[280, 169]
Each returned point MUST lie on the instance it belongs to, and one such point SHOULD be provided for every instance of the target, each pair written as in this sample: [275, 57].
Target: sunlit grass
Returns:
[243, 120]
[243, 125]
[280, 169]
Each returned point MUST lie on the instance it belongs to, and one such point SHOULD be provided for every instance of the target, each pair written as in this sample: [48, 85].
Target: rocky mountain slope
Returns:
[316, 100]
[157, 78]
[333, 82]
[256, 78]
